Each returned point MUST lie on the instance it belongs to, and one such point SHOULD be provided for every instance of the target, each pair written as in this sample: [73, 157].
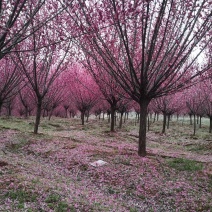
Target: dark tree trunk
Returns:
[190, 119]
[164, 123]
[112, 125]
[115, 118]
[120, 122]
[125, 116]
[200, 122]
[108, 117]
[210, 128]
[103, 117]
[50, 114]
[150, 116]
[194, 125]
[142, 128]
[38, 115]
[83, 117]
[26, 112]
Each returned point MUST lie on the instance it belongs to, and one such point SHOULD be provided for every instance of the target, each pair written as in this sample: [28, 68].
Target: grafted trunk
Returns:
[38, 115]
[142, 128]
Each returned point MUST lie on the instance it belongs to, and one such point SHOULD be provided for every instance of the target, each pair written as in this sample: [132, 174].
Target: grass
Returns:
[182, 164]
[21, 196]
[118, 181]
[54, 202]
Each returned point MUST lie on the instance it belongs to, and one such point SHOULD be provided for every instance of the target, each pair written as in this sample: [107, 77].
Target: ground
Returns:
[51, 171]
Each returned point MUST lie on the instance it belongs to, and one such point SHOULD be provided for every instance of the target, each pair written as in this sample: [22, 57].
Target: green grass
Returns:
[21, 196]
[53, 198]
[182, 164]
[13, 123]
[54, 202]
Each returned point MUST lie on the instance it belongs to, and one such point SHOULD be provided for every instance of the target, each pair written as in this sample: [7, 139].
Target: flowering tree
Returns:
[53, 98]
[146, 46]
[207, 95]
[9, 81]
[123, 107]
[15, 22]
[109, 88]
[41, 66]
[26, 101]
[84, 92]
[17, 16]
[168, 105]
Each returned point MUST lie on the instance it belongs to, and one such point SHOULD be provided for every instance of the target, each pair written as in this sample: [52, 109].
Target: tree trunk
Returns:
[125, 116]
[87, 116]
[194, 125]
[112, 119]
[200, 122]
[168, 121]
[164, 123]
[120, 122]
[190, 119]
[142, 128]
[210, 128]
[38, 115]
[83, 117]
